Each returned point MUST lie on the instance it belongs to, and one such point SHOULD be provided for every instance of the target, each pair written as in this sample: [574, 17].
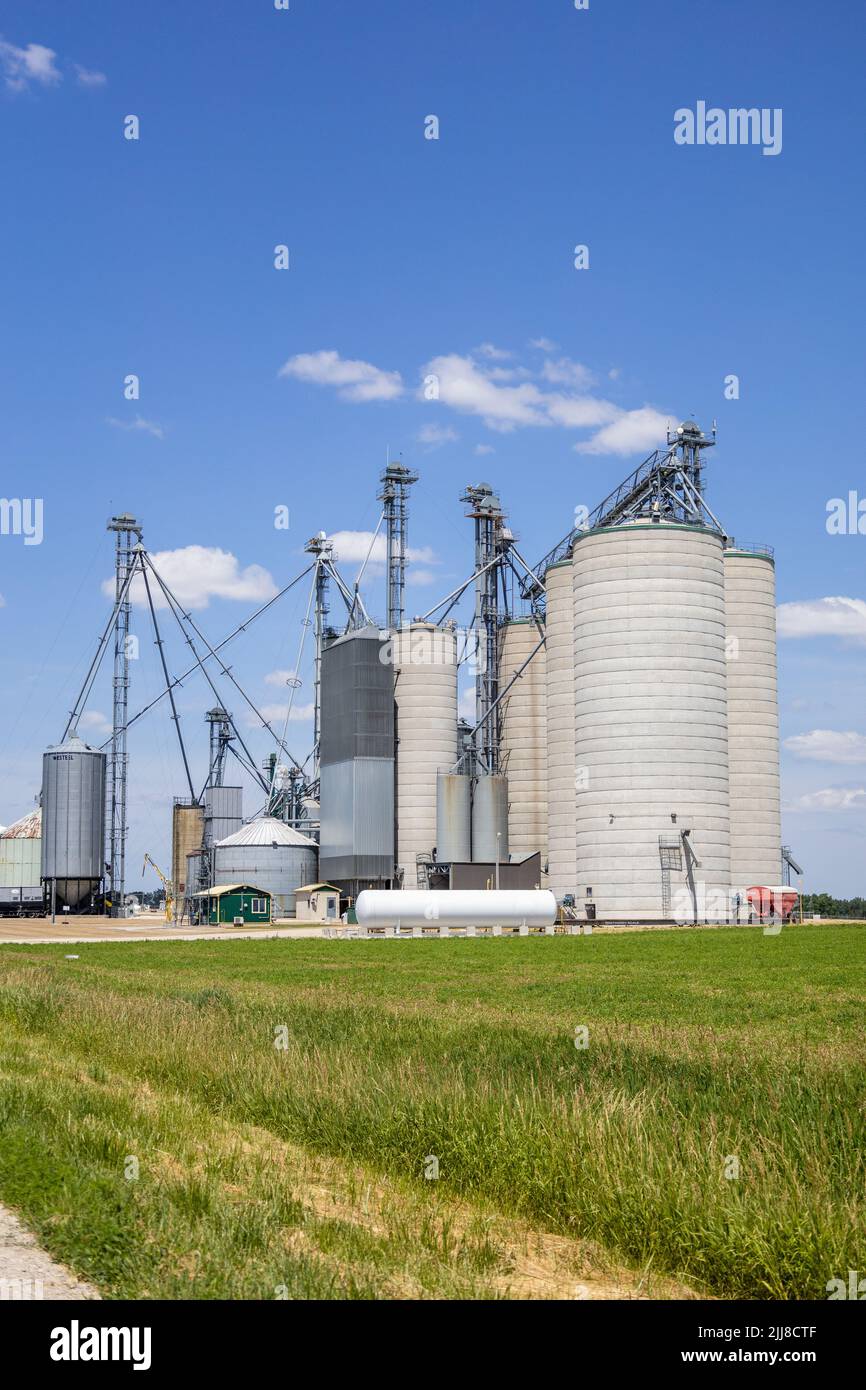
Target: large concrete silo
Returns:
[559, 650]
[753, 720]
[652, 809]
[73, 820]
[425, 695]
[523, 738]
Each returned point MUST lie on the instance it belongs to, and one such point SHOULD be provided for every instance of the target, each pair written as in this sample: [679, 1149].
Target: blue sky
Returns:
[307, 128]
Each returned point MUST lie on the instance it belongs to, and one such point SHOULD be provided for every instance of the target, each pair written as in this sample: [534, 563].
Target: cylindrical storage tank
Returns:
[490, 820]
[270, 855]
[73, 819]
[21, 852]
[223, 813]
[465, 907]
[453, 818]
[425, 695]
[523, 745]
[753, 720]
[651, 737]
[559, 651]
[187, 835]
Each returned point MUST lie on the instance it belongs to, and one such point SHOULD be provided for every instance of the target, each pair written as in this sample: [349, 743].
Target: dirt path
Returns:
[27, 1272]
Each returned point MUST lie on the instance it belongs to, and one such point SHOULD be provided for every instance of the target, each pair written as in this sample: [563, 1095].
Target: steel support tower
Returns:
[396, 481]
[219, 723]
[490, 546]
[320, 547]
[127, 542]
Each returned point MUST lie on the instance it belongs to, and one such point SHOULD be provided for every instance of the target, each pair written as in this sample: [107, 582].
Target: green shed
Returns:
[231, 902]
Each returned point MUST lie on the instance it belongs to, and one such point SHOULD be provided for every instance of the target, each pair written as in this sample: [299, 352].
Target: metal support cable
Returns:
[174, 714]
[242, 627]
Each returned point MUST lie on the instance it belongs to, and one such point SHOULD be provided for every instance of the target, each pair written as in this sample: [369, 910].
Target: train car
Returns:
[22, 902]
[776, 904]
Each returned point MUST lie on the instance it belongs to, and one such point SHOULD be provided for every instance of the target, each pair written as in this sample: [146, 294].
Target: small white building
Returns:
[317, 902]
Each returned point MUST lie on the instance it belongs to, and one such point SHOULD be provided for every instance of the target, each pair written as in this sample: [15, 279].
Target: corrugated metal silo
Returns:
[357, 761]
[523, 740]
[753, 720]
[453, 818]
[73, 819]
[267, 854]
[490, 820]
[651, 740]
[559, 650]
[21, 852]
[223, 812]
[425, 695]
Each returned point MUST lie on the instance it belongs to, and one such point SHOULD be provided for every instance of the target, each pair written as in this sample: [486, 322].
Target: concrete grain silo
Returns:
[753, 720]
[523, 746]
[651, 741]
[559, 670]
[453, 818]
[425, 695]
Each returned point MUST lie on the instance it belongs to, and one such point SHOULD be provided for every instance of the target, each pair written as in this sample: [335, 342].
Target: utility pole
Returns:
[396, 481]
[127, 545]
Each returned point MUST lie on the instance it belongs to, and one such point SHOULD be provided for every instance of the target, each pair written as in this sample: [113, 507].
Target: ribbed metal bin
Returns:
[524, 738]
[73, 819]
[651, 722]
[425, 695]
[753, 720]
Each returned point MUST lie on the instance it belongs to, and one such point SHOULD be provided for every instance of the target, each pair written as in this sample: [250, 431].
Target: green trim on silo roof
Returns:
[648, 526]
[560, 564]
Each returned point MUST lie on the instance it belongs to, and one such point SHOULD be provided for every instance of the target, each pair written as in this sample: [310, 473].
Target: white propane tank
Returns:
[456, 908]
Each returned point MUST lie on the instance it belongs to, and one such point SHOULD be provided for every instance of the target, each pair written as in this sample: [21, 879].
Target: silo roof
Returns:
[29, 827]
[267, 830]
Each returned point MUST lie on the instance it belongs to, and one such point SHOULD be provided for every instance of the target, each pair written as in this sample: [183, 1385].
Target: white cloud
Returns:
[2, 601]
[829, 746]
[276, 715]
[434, 435]
[564, 372]
[632, 432]
[823, 617]
[832, 799]
[280, 677]
[419, 579]
[21, 66]
[352, 547]
[354, 381]
[543, 344]
[466, 704]
[195, 574]
[466, 386]
[93, 721]
[139, 423]
[495, 354]
[482, 449]
[88, 77]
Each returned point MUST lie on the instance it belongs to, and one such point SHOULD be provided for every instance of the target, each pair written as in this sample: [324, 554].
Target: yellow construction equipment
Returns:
[167, 884]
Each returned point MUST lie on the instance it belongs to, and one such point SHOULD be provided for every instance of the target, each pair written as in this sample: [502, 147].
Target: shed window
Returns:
[332, 907]
[259, 906]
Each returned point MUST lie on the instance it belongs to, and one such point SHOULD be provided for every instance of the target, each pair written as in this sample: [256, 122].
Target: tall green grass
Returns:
[709, 1053]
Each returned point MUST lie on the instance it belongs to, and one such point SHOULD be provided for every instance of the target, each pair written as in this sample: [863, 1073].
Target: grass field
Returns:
[254, 1119]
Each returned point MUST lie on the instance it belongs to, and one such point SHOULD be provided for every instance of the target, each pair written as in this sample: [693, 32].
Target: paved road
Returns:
[27, 1272]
